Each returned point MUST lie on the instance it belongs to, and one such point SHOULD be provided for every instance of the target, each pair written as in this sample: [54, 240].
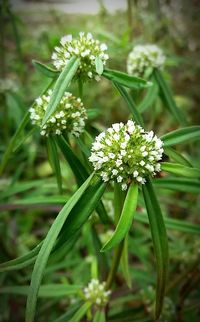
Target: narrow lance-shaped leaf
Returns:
[176, 156]
[180, 170]
[178, 184]
[149, 99]
[74, 222]
[173, 224]
[54, 161]
[100, 316]
[125, 79]
[61, 84]
[77, 168]
[48, 290]
[14, 141]
[45, 70]
[46, 248]
[160, 243]
[99, 65]
[130, 103]
[126, 218]
[81, 312]
[125, 264]
[167, 97]
[80, 172]
[186, 134]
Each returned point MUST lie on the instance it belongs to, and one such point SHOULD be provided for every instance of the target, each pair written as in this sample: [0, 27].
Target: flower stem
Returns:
[119, 197]
[80, 88]
[115, 264]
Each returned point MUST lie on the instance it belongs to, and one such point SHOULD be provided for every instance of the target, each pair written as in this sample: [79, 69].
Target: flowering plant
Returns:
[125, 161]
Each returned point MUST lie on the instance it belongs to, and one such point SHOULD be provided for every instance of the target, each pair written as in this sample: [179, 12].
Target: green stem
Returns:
[80, 88]
[119, 197]
[115, 264]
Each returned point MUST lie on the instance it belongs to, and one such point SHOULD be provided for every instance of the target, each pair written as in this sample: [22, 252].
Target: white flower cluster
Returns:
[96, 293]
[126, 153]
[84, 47]
[70, 115]
[143, 59]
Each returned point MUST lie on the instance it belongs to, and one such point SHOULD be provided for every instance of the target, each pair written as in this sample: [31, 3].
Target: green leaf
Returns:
[81, 211]
[45, 70]
[61, 84]
[124, 263]
[176, 156]
[80, 172]
[49, 290]
[130, 103]
[101, 257]
[160, 243]
[100, 316]
[70, 312]
[22, 261]
[174, 224]
[125, 79]
[167, 97]
[13, 142]
[149, 99]
[186, 134]
[46, 248]
[81, 312]
[54, 161]
[126, 218]
[77, 168]
[178, 184]
[180, 170]
[99, 65]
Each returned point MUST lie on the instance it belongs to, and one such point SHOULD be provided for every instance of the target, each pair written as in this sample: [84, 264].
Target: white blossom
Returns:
[125, 163]
[86, 48]
[96, 293]
[70, 115]
[143, 59]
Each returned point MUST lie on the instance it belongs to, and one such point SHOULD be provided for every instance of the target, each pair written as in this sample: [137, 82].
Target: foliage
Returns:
[61, 225]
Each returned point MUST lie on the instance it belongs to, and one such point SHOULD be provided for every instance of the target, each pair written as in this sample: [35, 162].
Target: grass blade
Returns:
[61, 84]
[131, 105]
[160, 243]
[186, 134]
[167, 97]
[46, 250]
[180, 170]
[54, 161]
[126, 218]
[125, 79]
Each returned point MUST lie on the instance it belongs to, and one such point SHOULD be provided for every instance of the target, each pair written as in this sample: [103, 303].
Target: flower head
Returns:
[143, 58]
[84, 47]
[69, 116]
[96, 293]
[126, 153]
